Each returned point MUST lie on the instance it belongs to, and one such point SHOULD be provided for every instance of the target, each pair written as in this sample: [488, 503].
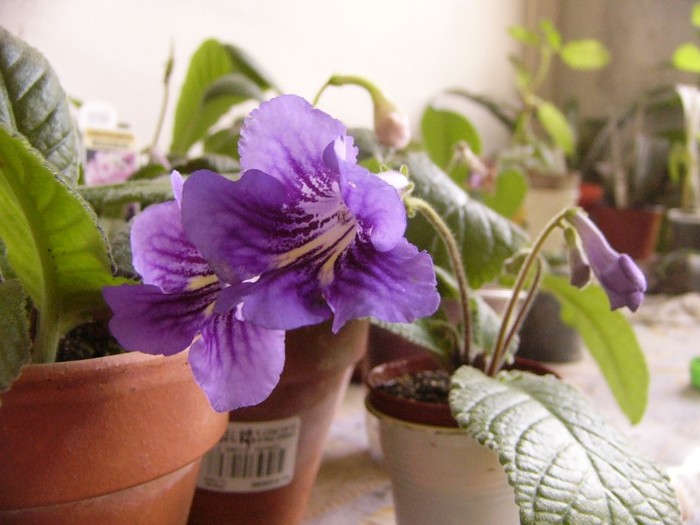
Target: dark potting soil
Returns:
[87, 341]
[429, 386]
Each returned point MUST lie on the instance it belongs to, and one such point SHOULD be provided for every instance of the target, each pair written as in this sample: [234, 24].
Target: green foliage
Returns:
[15, 342]
[486, 238]
[687, 58]
[33, 103]
[509, 193]
[555, 124]
[610, 340]
[220, 76]
[54, 245]
[566, 464]
[443, 131]
[584, 54]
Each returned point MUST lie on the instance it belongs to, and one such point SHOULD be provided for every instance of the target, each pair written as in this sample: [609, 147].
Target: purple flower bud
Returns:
[617, 273]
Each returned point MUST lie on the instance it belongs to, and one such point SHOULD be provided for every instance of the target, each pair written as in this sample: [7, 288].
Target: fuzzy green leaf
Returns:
[442, 131]
[485, 237]
[509, 194]
[15, 343]
[209, 62]
[566, 464]
[54, 245]
[236, 87]
[610, 340]
[33, 103]
[556, 126]
[143, 190]
[245, 64]
[687, 58]
[585, 54]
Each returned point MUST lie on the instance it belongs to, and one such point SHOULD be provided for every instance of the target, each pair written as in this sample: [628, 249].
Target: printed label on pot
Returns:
[252, 456]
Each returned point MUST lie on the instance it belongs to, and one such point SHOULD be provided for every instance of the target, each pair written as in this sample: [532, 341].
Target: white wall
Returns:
[115, 50]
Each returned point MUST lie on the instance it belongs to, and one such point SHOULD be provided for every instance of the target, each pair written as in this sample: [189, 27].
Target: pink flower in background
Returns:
[109, 167]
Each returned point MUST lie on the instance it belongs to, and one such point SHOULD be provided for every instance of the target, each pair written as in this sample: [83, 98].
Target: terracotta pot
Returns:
[263, 470]
[112, 440]
[629, 230]
[439, 473]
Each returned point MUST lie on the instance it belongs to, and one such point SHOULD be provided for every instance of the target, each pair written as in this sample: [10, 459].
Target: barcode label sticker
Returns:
[252, 457]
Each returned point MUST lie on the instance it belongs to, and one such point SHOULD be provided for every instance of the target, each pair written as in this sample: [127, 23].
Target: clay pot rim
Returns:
[92, 366]
[421, 413]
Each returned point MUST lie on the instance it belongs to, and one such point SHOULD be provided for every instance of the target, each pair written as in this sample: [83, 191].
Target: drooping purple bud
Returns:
[617, 273]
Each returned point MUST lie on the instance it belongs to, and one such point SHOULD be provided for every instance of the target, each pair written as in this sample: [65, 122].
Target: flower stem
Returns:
[163, 106]
[506, 332]
[417, 204]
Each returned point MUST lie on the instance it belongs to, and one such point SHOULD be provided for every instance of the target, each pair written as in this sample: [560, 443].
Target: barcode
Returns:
[252, 457]
[239, 464]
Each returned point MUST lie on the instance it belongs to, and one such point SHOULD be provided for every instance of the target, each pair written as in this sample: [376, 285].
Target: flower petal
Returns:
[286, 137]
[162, 255]
[150, 321]
[376, 204]
[236, 364]
[280, 300]
[396, 286]
[623, 281]
[233, 222]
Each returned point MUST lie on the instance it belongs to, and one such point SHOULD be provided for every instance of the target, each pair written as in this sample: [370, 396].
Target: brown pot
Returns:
[264, 468]
[112, 440]
[629, 230]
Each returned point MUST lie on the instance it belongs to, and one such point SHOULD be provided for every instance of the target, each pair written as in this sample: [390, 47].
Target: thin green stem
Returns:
[443, 230]
[163, 106]
[533, 257]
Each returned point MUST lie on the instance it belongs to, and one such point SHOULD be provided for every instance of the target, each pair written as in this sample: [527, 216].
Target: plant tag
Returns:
[252, 457]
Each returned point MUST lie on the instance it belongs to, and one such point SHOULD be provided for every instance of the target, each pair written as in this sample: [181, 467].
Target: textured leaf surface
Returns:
[566, 464]
[53, 243]
[485, 237]
[609, 338]
[33, 103]
[15, 344]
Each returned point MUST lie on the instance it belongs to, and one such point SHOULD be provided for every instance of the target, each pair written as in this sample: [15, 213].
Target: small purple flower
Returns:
[617, 273]
[306, 234]
[235, 363]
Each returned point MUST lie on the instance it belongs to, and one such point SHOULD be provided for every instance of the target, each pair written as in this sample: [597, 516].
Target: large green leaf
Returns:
[33, 103]
[442, 132]
[566, 464]
[609, 338]
[219, 77]
[15, 343]
[485, 237]
[54, 245]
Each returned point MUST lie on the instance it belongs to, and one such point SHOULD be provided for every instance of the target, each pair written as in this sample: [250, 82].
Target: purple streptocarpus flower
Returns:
[235, 363]
[306, 234]
[617, 273]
